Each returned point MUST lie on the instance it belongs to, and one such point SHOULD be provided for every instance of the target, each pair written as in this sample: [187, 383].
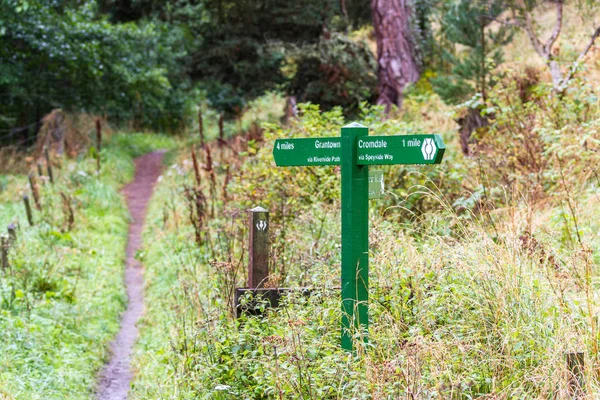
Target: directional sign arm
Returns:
[307, 151]
[442, 148]
[400, 149]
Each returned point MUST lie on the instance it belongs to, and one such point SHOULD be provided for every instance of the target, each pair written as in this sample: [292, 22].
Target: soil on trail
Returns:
[114, 380]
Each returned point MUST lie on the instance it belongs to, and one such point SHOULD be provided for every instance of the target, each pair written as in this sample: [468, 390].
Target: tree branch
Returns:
[528, 27]
[557, 28]
[582, 55]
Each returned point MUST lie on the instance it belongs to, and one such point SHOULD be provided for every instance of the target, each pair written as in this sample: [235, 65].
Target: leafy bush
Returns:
[536, 138]
[475, 49]
[334, 72]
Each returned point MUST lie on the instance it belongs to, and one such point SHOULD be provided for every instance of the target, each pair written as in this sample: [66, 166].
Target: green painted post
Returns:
[355, 151]
[355, 237]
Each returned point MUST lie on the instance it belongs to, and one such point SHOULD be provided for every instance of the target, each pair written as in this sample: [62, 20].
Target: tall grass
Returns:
[473, 294]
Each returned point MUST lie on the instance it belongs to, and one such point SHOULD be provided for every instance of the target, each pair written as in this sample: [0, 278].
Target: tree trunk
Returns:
[557, 76]
[469, 123]
[396, 49]
[544, 50]
[291, 109]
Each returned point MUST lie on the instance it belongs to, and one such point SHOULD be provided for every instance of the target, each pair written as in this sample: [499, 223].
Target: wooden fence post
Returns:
[12, 233]
[34, 192]
[98, 143]
[49, 165]
[201, 126]
[4, 251]
[98, 135]
[258, 263]
[28, 209]
[40, 172]
[576, 381]
[221, 140]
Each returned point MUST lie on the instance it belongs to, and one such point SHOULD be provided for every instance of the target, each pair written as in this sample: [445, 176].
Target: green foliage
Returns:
[243, 51]
[238, 50]
[334, 72]
[311, 183]
[57, 55]
[61, 298]
[537, 139]
[421, 25]
[466, 23]
[138, 144]
[145, 63]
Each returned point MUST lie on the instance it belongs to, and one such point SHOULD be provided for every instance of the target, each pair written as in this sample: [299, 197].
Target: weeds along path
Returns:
[114, 380]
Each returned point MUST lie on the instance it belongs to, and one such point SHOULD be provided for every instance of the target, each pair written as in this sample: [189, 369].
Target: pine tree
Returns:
[466, 23]
[397, 55]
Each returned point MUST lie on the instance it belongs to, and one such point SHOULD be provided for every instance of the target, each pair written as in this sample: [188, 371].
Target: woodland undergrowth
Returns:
[483, 269]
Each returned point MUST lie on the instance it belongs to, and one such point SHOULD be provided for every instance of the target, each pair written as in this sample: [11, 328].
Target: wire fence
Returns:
[8, 133]
[28, 141]
[17, 130]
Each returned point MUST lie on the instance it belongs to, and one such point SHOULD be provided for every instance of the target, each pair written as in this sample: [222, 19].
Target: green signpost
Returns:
[355, 150]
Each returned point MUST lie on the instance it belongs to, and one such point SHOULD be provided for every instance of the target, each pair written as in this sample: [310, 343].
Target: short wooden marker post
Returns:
[28, 209]
[258, 263]
[354, 151]
[258, 270]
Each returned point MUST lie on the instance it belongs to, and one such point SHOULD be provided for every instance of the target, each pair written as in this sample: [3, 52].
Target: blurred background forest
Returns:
[150, 64]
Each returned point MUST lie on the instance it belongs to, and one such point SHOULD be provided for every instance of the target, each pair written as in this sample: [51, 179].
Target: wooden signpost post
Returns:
[258, 268]
[354, 151]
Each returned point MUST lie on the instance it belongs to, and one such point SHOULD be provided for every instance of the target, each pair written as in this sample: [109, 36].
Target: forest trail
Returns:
[115, 378]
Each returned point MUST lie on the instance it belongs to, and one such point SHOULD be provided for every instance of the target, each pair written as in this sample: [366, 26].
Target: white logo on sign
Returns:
[428, 149]
[261, 225]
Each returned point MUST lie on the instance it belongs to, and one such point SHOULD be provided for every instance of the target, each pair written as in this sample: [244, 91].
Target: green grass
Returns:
[136, 144]
[61, 299]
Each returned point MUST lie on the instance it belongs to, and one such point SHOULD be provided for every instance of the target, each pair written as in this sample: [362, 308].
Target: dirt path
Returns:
[114, 380]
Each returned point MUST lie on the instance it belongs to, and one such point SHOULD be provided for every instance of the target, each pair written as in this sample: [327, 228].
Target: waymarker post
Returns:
[258, 260]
